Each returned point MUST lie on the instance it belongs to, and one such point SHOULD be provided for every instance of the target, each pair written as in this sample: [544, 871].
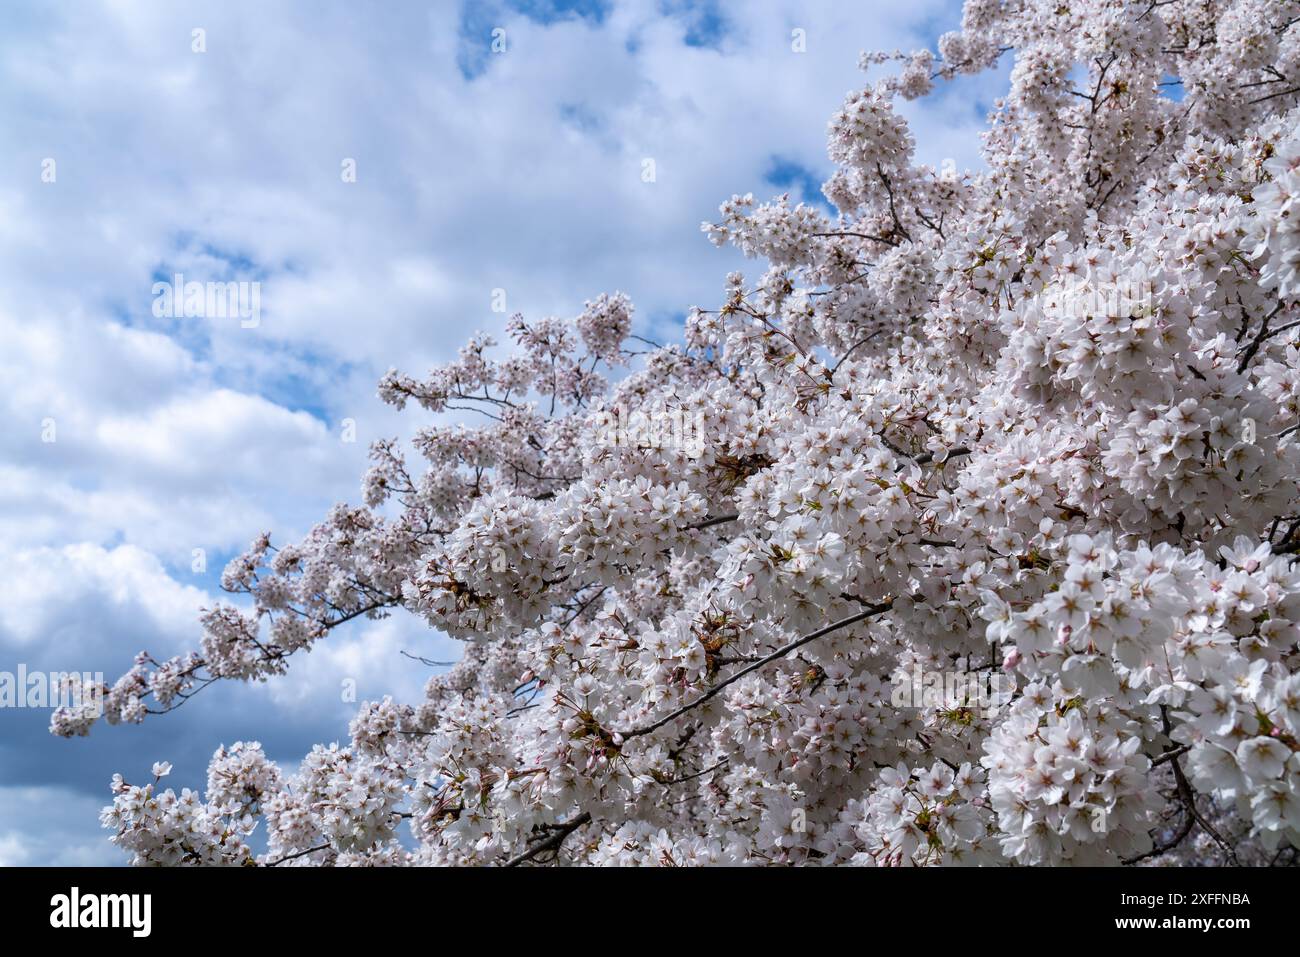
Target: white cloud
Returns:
[41, 585]
[213, 434]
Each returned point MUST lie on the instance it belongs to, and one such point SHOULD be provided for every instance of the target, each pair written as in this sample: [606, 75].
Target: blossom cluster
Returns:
[1036, 421]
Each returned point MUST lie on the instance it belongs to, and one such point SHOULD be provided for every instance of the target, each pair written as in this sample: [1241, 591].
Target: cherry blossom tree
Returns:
[1036, 424]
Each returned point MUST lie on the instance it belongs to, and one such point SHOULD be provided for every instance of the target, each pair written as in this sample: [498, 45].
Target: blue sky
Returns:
[476, 170]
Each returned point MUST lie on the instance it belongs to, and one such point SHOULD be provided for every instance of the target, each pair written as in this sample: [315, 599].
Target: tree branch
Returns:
[297, 854]
[554, 841]
[750, 669]
[710, 522]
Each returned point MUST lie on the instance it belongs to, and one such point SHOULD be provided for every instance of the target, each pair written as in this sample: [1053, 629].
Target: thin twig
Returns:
[428, 661]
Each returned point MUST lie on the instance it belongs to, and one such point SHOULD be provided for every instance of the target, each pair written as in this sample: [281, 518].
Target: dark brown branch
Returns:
[750, 669]
[710, 522]
[297, 854]
[553, 842]
[1168, 845]
[1273, 96]
[1170, 755]
[1264, 334]
[695, 774]
[925, 457]
[893, 209]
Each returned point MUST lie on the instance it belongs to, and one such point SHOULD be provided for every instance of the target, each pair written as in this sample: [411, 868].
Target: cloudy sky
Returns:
[476, 170]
